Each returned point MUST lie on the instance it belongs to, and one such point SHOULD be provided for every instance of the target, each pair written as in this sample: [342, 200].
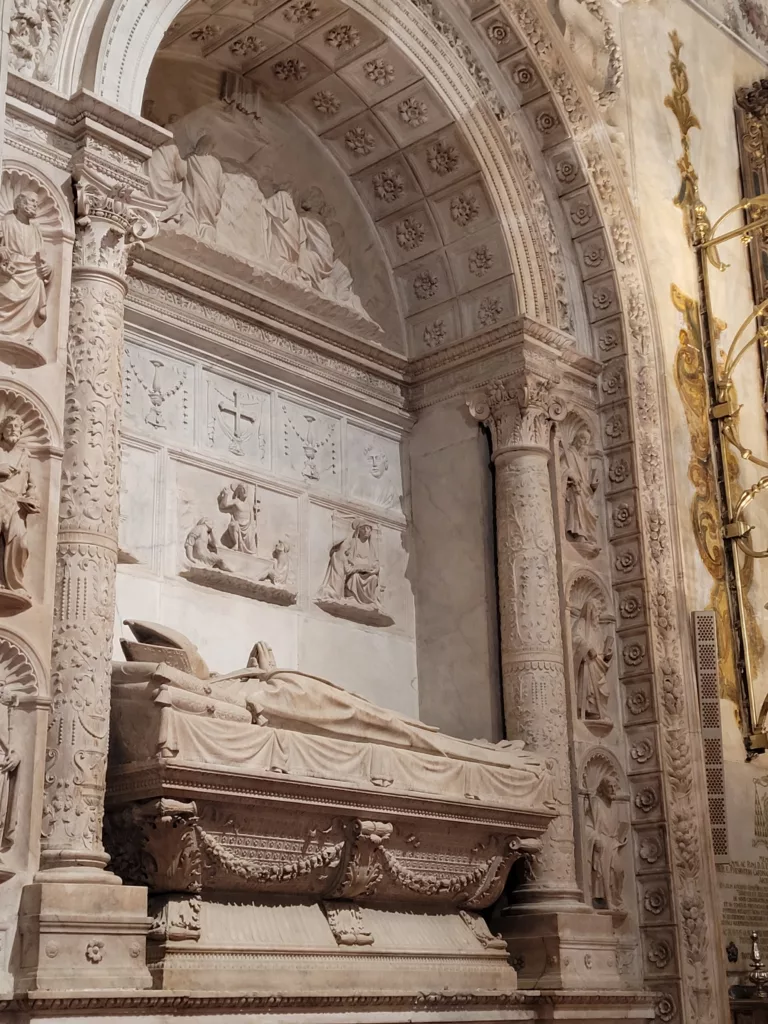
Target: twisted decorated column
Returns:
[519, 415]
[107, 223]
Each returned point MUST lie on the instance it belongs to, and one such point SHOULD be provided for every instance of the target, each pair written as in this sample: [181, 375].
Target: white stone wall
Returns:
[182, 451]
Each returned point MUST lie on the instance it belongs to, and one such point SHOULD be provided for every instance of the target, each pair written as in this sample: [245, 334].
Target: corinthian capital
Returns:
[518, 411]
[110, 219]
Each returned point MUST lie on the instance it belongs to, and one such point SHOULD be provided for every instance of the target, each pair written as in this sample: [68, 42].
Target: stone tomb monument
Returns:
[292, 832]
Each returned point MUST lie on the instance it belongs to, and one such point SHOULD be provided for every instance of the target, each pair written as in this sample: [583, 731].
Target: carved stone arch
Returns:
[40, 430]
[54, 218]
[21, 673]
[115, 64]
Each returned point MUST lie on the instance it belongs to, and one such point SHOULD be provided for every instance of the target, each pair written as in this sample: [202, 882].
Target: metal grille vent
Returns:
[705, 643]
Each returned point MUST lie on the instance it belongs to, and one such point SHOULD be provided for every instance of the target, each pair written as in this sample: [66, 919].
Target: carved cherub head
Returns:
[25, 206]
[11, 429]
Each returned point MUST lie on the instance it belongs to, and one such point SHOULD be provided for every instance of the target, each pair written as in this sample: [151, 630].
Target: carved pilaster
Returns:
[519, 415]
[109, 221]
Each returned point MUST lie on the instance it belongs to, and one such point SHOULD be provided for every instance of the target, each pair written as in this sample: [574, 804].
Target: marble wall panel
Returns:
[139, 532]
[308, 445]
[238, 419]
[453, 574]
[158, 394]
[376, 664]
[373, 469]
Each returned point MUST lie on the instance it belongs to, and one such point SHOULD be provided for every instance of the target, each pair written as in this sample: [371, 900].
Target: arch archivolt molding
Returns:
[624, 334]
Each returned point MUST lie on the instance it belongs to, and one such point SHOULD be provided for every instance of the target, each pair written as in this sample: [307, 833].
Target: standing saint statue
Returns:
[24, 274]
[241, 534]
[17, 501]
[581, 482]
[591, 660]
[166, 172]
[203, 190]
[607, 836]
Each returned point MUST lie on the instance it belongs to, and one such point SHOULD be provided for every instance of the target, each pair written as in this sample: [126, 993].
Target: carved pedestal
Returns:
[551, 933]
[81, 927]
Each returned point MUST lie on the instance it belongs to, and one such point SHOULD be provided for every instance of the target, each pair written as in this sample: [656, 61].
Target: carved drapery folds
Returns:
[520, 415]
[109, 221]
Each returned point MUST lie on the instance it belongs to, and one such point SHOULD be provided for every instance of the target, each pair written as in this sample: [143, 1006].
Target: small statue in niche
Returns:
[24, 274]
[241, 534]
[607, 835]
[18, 500]
[281, 565]
[353, 569]
[9, 762]
[203, 190]
[592, 656]
[201, 548]
[580, 482]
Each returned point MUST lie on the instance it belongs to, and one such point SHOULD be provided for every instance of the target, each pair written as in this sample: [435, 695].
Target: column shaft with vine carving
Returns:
[535, 701]
[86, 555]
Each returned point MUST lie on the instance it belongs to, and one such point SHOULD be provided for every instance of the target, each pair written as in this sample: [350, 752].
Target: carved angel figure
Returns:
[17, 501]
[607, 836]
[241, 534]
[581, 482]
[200, 546]
[24, 274]
[592, 657]
[353, 568]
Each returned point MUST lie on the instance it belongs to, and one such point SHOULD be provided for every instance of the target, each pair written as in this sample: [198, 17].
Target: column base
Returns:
[561, 949]
[83, 936]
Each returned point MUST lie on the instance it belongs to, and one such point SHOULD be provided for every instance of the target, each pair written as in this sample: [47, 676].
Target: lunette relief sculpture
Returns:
[351, 587]
[290, 244]
[25, 276]
[231, 562]
[607, 832]
[18, 500]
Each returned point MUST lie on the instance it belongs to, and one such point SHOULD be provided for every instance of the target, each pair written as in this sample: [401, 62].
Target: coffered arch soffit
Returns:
[477, 96]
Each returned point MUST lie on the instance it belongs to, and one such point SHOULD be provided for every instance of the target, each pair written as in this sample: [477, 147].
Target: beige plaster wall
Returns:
[717, 67]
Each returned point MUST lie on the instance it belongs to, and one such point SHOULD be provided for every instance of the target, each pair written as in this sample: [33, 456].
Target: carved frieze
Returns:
[238, 420]
[158, 394]
[310, 445]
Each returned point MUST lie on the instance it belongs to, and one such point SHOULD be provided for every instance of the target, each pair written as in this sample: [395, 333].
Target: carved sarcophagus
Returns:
[288, 827]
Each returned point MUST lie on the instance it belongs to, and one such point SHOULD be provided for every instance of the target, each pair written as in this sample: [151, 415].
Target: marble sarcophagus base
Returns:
[311, 859]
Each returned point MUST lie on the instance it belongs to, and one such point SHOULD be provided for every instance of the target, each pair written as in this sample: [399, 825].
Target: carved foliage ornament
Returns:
[518, 413]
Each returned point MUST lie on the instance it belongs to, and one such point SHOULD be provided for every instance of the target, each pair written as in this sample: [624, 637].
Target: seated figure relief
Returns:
[24, 273]
[352, 586]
